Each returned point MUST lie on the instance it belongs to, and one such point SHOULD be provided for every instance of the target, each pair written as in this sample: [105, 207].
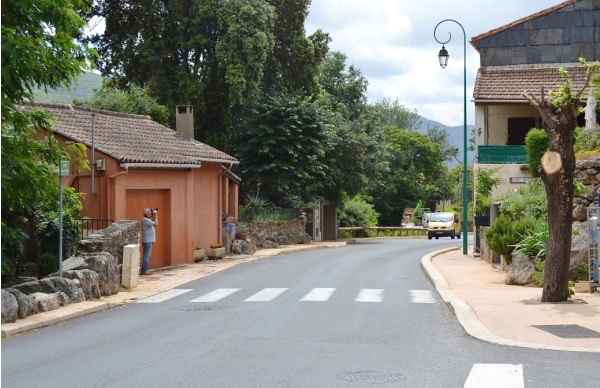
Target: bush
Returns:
[536, 144]
[527, 202]
[48, 264]
[534, 241]
[504, 234]
[537, 276]
[356, 211]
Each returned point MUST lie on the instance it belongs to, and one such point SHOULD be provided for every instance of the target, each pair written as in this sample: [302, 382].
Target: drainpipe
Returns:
[220, 208]
[108, 194]
[93, 156]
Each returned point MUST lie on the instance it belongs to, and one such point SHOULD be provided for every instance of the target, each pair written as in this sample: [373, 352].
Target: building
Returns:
[519, 57]
[138, 163]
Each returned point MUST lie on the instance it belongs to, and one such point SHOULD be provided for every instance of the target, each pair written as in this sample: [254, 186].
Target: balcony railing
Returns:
[88, 226]
[501, 154]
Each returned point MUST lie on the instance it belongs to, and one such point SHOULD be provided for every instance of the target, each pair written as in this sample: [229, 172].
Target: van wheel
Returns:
[437, 238]
[452, 236]
[458, 236]
[428, 237]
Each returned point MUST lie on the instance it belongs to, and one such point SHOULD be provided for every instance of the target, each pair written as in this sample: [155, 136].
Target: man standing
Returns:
[149, 220]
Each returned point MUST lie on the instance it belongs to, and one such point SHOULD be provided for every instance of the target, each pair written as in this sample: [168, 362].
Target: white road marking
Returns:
[422, 296]
[370, 295]
[164, 295]
[216, 295]
[266, 295]
[495, 376]
[318, 295]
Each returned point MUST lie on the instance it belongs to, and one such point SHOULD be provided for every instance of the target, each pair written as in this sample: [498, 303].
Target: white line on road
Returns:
[164, 295]
[216, 295]
[266, 295]
[495, 376]
[422, 296]
[370, 295]
[318, 295]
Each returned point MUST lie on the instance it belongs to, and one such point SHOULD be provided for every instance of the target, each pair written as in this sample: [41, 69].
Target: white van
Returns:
[443, 224]
[426, 219]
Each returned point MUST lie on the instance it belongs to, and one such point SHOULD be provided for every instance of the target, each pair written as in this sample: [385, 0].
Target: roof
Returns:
[495, 83]
[476, 39]
[130, 138]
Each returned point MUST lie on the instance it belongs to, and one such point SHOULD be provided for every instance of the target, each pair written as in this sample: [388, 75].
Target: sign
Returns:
[65, 168]
[521, 179]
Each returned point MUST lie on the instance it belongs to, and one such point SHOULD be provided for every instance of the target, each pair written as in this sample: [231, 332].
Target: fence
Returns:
[88, 226]
[391, 231]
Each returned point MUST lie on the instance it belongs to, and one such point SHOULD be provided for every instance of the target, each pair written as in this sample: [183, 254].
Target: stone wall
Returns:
[111, 239]
[280, 233]
[93, 271]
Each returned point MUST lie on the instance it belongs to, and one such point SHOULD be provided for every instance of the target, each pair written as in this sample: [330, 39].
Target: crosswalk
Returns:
[365, 295]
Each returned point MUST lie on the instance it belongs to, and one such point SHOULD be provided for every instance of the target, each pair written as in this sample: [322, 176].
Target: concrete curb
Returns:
[467, 316]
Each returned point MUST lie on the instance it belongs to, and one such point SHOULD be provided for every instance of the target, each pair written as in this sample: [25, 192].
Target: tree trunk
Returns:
[558, 166]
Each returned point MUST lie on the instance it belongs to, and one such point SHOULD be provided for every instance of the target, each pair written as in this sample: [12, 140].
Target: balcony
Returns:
[501, 154]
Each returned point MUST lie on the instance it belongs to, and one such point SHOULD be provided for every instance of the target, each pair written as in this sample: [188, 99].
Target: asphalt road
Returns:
[353, 316]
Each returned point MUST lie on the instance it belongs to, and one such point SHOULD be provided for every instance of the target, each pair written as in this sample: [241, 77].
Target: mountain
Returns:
[83, 88]
[455, 135]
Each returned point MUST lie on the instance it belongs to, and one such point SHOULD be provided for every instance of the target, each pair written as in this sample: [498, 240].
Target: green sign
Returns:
[65, 168]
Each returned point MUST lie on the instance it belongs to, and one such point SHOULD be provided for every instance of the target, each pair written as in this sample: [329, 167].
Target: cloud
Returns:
[392, 44]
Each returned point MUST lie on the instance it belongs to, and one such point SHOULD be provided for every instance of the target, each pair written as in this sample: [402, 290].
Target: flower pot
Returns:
[242, 236]
[215, 253]
[198, 255]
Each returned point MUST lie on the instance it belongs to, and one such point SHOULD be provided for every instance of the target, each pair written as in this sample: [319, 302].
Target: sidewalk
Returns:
[486, 307]
[494, 312]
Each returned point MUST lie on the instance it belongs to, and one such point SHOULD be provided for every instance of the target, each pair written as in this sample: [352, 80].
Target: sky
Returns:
[392, 43]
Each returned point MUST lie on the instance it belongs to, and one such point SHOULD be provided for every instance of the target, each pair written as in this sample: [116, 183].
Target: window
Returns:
[518, 128]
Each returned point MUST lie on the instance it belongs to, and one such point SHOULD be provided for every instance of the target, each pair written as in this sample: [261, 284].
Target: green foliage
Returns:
[357, 211]
[134, 100]
[47, 222]
[504, 234]
[586, 142]
[38, 51]
[252, 207]
[536, 144]
[580, 272]
[485, 184]
[414, 161]
[537, 276]
[8, 270]
[282, 146]
[528, 201]
[534, 243]
[48, 263]
[570, 289]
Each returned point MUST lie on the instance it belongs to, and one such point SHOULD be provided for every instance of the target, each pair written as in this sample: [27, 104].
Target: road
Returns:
[353, 316]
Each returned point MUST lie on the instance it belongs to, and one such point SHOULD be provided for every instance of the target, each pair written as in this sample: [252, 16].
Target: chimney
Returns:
[184, 121]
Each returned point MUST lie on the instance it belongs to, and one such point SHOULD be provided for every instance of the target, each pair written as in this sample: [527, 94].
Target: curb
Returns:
[468, 318]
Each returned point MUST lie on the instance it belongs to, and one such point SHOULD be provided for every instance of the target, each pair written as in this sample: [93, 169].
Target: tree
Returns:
[135, 100]
[415, 161]
[559, 111]
[282, 145]
[38, 51]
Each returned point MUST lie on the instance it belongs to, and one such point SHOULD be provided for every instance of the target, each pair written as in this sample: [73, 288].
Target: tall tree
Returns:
[559, 111]
[38, 51]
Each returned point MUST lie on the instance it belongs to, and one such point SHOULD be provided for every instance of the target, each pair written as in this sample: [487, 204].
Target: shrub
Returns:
[485, 184]
[48, 263]
[537, 276]
[356, 211]
[534, 240]
[527, 202]
[536, 143]
[501, 236]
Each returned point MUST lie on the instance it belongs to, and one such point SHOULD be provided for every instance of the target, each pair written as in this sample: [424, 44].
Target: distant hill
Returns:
[455, 134]
[83, 88]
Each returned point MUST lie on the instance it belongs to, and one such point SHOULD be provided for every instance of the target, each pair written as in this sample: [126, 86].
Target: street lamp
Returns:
[443, 57]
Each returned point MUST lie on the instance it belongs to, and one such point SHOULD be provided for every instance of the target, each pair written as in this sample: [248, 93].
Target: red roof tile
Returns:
[509, 83]
[130, 138]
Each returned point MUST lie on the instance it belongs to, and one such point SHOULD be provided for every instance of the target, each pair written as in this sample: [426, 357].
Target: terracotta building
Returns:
[138, 163]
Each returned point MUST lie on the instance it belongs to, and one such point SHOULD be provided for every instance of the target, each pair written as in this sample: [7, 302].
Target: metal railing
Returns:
[88, 226]
[391, 231]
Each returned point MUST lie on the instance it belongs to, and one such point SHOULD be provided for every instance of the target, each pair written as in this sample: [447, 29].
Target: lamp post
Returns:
[443, 58]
